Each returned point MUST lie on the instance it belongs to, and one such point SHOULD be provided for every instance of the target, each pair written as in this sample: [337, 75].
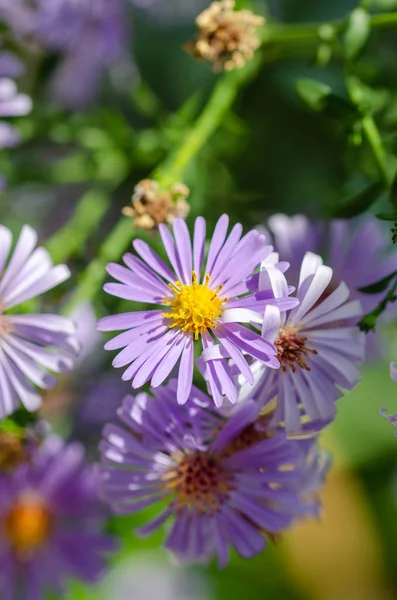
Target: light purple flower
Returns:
[50, 523]
[210, 306]
[89, 34]
[393, 371]
[31, 345]
[12, 104]
[223, 482]
[318, 349]
[357, 250]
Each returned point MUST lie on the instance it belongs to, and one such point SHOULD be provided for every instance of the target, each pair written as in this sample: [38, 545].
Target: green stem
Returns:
[70, 239]
[172, 170]
[296, 32]
[375, 141]
[222, 98]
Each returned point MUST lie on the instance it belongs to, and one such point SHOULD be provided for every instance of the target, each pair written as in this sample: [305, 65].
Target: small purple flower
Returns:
[318, 349]
[50, 523]
[12, 104]
[224, 482]
[209, 305]
[30, 344]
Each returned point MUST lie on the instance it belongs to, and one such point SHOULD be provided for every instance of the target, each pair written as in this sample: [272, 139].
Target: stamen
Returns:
[27, 525]
[292, 350]
[195, 307]
[199, 482]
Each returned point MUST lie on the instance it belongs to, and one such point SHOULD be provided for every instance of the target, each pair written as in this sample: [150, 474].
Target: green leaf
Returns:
[359, 203]
[357, 33]
[319, 97]
[386, 162]
[313, 93]
[387, 216]
[365, 97]
[378, 286]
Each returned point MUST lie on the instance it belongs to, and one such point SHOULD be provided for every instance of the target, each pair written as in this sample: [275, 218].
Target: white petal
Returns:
[350, 310]
[271, 278]
[240, 315]
[25, 245]
[310, 263]
[271, 323]
[317, 285]
[5, 245]
[50, 280]
[338, 297]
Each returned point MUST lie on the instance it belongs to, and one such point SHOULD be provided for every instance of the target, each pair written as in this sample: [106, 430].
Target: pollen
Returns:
[199, 482]
[292, 350]
[194, 308]
[27, 525]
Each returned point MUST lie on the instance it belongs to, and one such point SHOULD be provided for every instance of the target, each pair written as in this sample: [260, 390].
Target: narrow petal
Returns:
[185, 375]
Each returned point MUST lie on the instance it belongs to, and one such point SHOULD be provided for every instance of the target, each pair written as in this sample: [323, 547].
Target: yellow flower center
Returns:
[27, 525]
[194, 307]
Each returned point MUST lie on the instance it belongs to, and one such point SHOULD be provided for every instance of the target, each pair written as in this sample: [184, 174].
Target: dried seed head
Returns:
[227, 38]
[152, 206]
[12, 451]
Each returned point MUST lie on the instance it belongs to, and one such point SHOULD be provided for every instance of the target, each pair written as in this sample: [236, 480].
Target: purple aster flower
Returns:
[224, 482]
[318, 349]
[209, 304]
[357, 251]
[31, 345]
[51, 523]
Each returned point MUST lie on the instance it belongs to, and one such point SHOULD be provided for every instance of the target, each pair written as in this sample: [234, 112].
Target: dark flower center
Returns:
[200, 482]
[292, 350]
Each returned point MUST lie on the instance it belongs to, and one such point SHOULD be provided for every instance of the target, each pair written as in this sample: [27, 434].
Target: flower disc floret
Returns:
[27, 525]
[194, 308]
[292, 350]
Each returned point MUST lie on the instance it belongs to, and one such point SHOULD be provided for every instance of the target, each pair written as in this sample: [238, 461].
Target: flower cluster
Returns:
[234, 466]
[274, 363]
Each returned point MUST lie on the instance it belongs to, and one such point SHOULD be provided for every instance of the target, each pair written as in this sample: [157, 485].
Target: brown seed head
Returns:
[227, 38]
[152, 206]
[12, 451]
